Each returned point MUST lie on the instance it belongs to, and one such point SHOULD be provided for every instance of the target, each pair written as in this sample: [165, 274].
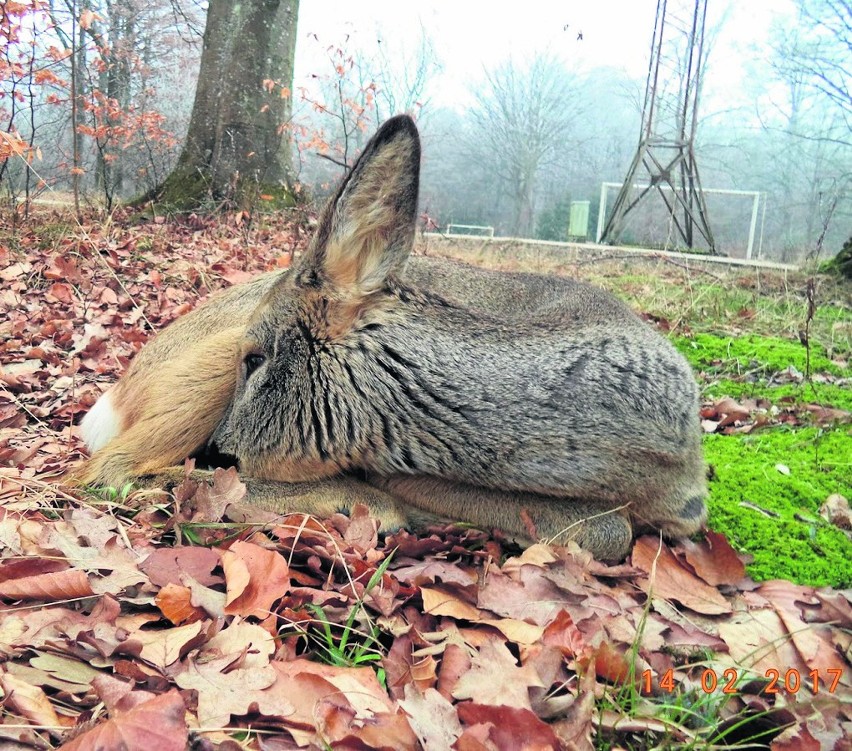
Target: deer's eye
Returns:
[251, 362]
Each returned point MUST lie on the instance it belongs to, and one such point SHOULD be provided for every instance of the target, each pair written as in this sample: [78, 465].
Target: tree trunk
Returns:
[237, 146]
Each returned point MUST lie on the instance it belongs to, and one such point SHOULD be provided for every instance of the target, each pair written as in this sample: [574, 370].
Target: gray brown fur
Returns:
[533, 404]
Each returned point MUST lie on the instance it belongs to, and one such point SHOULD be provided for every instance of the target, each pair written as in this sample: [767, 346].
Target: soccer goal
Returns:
[736, 218]
[472, 230]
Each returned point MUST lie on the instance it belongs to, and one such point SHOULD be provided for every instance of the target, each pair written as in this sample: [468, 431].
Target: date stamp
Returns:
[789, 682]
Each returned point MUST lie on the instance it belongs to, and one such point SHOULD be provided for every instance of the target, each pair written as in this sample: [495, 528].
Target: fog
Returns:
[522, 114]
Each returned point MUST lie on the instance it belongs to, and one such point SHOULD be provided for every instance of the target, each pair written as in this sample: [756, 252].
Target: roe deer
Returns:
[532, 404]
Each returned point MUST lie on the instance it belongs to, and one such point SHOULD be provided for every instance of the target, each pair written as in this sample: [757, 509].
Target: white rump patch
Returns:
[101, 424]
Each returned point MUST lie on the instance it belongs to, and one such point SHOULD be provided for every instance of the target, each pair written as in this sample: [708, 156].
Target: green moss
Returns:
[751, 353]
[826, 394]
[185, 188]
[790, 540]
[51, 234]
[274, 198]
[796, 544]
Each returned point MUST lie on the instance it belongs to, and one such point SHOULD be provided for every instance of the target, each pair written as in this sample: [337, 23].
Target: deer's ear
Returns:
[366, 230]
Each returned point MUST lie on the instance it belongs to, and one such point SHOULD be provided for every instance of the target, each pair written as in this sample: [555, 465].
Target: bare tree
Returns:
[813, 59]
[819, 51]
[367, 81]
[522, 121]
[402, 75]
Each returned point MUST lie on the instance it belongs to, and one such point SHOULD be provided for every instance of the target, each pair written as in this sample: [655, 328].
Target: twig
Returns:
[687, 267]
[333, 160]
[23, 407]
[805, 336]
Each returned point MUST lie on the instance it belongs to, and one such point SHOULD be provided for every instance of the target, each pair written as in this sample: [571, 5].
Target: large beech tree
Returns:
[236, 146]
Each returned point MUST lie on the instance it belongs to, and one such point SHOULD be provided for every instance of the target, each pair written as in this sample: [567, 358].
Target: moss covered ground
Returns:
[742, 331]
[768, 485]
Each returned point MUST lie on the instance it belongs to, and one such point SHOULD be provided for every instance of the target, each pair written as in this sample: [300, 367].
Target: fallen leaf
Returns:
[495, 678]
[60, 585]
[255, 579]
[158, 723]
[169, 565]
[443, 601]
[30, 701]
[836, 511]
[668, 579]
[163, 646]
[433, 718]
[175, 602]
[511, 728]
[714, 560]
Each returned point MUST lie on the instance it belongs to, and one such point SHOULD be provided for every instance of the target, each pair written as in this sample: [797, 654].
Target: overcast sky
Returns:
[470, 35]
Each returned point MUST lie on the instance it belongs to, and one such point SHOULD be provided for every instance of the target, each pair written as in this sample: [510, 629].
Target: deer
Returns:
[426, 389]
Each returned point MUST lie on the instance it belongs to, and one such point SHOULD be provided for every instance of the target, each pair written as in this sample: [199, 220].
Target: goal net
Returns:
[735, 218]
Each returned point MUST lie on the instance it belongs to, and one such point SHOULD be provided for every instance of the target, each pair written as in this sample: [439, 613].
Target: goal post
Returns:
[756, 198]
[472, 230]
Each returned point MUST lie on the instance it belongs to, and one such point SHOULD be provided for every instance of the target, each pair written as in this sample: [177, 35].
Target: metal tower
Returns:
[665, 157]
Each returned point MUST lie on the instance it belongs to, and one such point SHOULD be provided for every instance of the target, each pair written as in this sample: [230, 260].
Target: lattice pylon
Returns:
[665, 156]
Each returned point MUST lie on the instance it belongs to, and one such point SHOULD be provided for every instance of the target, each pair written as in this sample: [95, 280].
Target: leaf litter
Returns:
[140, 620]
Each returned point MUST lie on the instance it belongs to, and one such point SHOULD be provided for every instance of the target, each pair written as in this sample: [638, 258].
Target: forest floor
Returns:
[149, 619]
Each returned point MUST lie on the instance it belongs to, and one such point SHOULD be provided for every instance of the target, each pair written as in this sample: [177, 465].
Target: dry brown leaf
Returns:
[210, 600]
[212, 501]
[796, 738]
[443, 601]
[248, 645]
[510, 728]
[30, 701]
[672, 581]
[827, 415]
[529, 592]
[714, 560]
[757, 639]
[433, 718]
[158, 723]
[563, 634]
[810, 641]
[60, 585]
[359, 685]
[342, 703]
[495, 678]
[233, 693]
[170, 565]
[163, 646]
[836, 511]
[519, 632]
[612, 664]
[730, 411]
[175, 602]
[575, 729]
[255, 579]
[454, 664]
[362, 532]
